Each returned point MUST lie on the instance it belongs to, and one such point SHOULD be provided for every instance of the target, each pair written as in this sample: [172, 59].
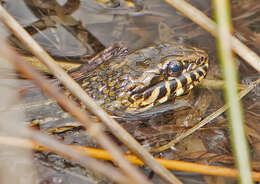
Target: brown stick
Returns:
[209, 25]
[76, 90]
[104, 155]
[94, 129]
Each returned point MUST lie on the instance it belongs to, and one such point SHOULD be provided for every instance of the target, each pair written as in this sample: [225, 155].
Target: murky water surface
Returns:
[75, 30]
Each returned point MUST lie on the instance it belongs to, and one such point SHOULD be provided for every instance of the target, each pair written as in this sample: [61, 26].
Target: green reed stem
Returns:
[229, 69]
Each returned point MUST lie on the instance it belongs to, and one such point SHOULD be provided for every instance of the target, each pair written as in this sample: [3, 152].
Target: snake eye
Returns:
[174, 68]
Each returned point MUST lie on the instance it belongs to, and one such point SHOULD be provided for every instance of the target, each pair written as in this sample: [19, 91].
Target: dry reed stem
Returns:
[93, 128]
[75, 155]
[209, 25]
[104, 155]
[205, 121]
[78, 92]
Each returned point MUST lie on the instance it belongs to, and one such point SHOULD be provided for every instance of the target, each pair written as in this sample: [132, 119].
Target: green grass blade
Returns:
[229, 68]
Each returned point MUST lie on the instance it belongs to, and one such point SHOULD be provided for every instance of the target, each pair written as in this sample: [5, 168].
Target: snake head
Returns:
[178, 70]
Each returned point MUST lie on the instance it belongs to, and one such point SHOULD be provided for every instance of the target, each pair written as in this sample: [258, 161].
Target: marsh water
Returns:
[75, 30]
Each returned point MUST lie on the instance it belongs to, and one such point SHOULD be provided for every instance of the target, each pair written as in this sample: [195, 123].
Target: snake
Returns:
[146, 78]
